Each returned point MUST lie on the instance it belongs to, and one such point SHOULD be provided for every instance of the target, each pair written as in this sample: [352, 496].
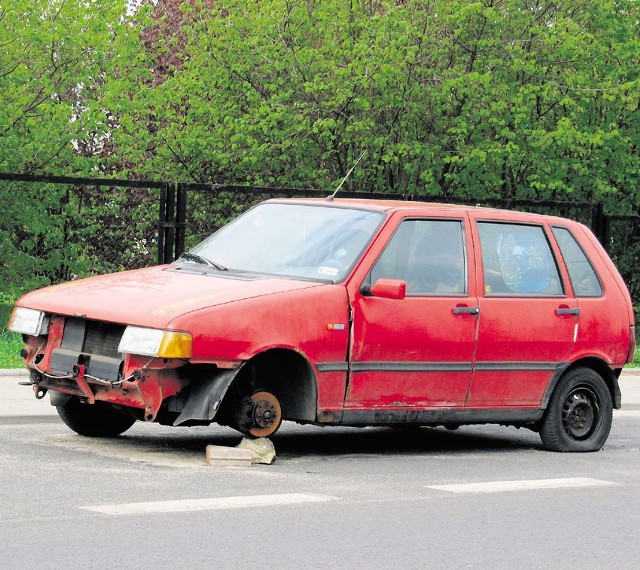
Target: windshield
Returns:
[297, 240]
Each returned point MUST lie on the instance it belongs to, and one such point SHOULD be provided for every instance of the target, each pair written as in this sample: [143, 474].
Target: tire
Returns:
[94, 420]
[579, 415]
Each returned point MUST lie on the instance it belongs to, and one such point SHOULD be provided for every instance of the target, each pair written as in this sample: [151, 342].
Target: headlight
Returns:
[29, 321]
[154, 342]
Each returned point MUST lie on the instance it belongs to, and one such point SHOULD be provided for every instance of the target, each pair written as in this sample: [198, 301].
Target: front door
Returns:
[416, 351]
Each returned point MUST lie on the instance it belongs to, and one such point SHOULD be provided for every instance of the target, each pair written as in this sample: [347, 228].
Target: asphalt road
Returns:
[479, 497]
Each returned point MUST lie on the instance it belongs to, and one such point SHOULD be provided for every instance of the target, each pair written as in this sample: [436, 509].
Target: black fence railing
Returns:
[56, 228]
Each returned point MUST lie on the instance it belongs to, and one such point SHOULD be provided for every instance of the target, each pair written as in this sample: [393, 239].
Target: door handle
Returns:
[466, 310]
[567, 311]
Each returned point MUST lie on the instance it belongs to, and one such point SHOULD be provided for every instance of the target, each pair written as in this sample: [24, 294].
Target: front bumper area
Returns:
[79, 358]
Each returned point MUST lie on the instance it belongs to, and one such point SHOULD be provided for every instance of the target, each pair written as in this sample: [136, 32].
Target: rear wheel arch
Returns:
[600, 367]
[609, 376]
[579, 413]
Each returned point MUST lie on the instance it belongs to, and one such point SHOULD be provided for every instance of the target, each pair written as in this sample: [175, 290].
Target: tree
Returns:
[509, 98]
[57, 56]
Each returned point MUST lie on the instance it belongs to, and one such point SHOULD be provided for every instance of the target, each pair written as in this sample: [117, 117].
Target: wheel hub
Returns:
[264, 413]
[261, 413]
[579, 414]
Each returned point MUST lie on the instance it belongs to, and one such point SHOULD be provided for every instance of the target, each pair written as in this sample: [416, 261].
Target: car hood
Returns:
[154, 296]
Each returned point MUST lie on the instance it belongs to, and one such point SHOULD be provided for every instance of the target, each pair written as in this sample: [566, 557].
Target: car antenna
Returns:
[329, 198]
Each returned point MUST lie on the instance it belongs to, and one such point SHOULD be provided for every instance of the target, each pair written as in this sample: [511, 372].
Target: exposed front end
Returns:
[134, 367]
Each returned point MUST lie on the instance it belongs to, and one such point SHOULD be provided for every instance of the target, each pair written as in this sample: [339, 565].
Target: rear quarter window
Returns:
[583, 276]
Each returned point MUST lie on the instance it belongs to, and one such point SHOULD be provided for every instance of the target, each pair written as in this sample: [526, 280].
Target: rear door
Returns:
[528, 322]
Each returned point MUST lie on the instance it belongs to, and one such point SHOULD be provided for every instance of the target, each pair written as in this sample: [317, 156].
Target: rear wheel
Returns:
[579, 414]
[94, 420]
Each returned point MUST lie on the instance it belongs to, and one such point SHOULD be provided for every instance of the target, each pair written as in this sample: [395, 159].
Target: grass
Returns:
[10, 345]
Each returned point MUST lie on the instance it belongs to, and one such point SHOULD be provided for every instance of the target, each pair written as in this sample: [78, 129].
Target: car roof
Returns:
[372, 204]
[411, 205]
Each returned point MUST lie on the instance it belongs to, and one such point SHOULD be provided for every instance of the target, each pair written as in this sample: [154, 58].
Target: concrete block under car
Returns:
[228, 456]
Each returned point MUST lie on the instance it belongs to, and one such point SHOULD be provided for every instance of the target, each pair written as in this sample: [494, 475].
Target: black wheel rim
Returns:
[581, 413]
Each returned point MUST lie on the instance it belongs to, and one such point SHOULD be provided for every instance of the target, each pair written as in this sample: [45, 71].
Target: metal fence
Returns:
[622, 241]
[54, 229]
[59, 228]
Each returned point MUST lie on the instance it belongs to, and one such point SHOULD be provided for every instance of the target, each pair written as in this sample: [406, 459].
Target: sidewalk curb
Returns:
[14, 372]
[52, 418]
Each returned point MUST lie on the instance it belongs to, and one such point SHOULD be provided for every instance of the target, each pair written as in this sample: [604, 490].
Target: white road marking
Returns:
[241, 502]
[524, 485]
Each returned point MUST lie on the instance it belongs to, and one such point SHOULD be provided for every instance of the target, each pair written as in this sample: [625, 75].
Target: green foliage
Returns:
[505, 98]
[496, 98]
[512, 99]
[10, 343]
[57, 58]
[54, 60]
[56, 233]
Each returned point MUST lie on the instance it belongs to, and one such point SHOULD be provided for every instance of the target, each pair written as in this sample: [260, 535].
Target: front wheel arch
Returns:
[285, 374]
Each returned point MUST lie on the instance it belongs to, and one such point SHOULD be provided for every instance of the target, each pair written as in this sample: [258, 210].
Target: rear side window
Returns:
[584, 279]
[517, 260]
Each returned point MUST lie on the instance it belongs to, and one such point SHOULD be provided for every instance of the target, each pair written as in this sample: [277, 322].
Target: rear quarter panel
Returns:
[605, 322]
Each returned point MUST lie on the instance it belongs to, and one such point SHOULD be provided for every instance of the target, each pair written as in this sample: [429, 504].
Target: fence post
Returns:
[181, 219]
[167, 223]
[162, 212]
[605, 232]
[600, 224]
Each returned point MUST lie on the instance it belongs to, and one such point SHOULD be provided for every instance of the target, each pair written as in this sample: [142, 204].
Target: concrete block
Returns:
[220, 455]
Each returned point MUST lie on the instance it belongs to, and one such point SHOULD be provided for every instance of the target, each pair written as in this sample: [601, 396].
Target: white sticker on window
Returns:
[333, 271]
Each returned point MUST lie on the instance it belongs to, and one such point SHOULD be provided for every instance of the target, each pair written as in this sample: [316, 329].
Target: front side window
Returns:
[583, 276]
[429, 255]
[517, 260]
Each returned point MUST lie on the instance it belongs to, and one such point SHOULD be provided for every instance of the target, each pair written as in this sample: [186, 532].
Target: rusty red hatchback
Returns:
[346, 312]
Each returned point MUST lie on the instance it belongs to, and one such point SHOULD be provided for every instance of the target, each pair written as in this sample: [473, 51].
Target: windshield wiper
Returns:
[203, 260]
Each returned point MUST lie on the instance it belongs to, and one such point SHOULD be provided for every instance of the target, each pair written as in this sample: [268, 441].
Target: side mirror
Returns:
[388, 289]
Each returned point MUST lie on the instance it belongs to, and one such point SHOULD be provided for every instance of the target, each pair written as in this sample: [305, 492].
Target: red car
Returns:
[346, 312]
